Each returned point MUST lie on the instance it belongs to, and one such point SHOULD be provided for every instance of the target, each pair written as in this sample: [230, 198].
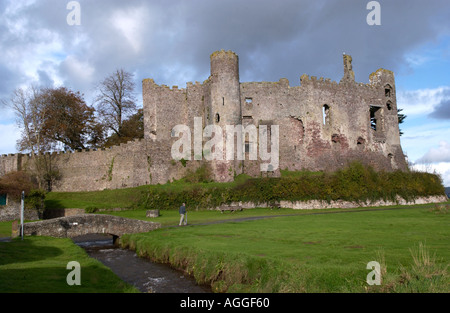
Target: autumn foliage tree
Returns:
[132, 128]
[50, 118]
[69, 120]
[58, 118]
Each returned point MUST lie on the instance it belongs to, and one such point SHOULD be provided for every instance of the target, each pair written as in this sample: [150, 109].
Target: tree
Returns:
[49, 117]
[401, 119]
[132, 128]
[116, 100]
[30, 108]
[69, 119]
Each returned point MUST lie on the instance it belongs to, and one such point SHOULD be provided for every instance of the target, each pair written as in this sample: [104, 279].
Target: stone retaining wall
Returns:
[11, 212]
[321, 204]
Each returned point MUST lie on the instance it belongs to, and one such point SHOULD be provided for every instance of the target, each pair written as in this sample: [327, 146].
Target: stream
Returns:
[145, 275]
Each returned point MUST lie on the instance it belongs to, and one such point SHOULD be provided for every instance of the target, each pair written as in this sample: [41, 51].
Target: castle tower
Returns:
[225, 105]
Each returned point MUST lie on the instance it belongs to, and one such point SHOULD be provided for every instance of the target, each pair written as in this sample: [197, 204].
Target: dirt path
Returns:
[252, 218]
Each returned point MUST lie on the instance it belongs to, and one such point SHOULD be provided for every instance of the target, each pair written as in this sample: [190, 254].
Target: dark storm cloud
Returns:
[442, 111]
[171, 41]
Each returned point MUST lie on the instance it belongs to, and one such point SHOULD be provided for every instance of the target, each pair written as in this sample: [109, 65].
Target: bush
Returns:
[355, 183]
[35, 199]
[14, 183]
[91, 209]
[201, 175]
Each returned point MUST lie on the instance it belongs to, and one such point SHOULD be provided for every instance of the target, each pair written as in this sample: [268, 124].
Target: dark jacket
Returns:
[182, 209]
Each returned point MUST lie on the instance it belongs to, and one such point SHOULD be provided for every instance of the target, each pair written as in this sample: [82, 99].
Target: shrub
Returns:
[14, 183]
[201, 175]
[356, 183]
[90, 209]
[35, 199]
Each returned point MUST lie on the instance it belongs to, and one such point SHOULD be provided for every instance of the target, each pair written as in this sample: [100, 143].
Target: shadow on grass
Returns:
[54, 204]
[22, 251]
[53, 279]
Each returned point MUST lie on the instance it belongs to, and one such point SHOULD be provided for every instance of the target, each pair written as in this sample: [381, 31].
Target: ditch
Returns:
[145, 275]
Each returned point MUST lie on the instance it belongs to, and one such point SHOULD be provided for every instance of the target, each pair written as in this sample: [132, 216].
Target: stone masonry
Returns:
[323, 125]
[83, 224]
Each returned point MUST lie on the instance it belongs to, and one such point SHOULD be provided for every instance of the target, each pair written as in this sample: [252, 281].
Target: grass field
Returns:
[311, 253]
[304, 251]
[38, 264]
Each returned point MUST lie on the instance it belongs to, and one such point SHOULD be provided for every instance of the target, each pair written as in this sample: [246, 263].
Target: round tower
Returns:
[225, 107]
[225, 88]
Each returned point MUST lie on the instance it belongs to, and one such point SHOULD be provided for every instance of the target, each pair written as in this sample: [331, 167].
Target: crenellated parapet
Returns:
[323, 124]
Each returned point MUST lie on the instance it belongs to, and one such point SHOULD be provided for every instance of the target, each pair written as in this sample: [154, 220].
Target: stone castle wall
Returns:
[323, 125]
[307, 140]
[128, 165]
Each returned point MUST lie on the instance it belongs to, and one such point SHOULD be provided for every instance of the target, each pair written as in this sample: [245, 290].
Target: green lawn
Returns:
[38, 264]
[310, 253]
[5, 229]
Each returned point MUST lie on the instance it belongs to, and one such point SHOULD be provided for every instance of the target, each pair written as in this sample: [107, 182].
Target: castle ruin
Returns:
[321, 124]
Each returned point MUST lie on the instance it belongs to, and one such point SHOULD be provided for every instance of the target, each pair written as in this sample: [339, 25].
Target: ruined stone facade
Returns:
[322, 125]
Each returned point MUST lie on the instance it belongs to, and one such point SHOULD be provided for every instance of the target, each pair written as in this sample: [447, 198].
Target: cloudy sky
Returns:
[171, 40]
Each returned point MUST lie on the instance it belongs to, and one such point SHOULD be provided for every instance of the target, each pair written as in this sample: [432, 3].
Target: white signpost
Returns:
[21, 213]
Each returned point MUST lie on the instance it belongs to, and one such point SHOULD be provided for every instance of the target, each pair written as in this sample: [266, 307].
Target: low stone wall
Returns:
[11, 212]
[55, 213]
[321, 204]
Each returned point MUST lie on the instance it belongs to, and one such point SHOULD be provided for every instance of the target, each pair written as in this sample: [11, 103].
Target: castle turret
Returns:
[225, 104]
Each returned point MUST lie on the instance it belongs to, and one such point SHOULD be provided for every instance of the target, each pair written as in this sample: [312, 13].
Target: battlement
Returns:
[196, 84]
[323, 124]
[121, 146]
[283, 82]
[306, 80]
[223, 53]
[151, 83]
[381, 76]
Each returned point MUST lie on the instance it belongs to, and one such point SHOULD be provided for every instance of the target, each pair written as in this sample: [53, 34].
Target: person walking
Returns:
[183, 214]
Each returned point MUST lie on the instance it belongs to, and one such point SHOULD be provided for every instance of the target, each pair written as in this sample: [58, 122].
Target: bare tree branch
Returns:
[116, 100]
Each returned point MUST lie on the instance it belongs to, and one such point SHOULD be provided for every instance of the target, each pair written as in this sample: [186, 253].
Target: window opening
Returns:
[375, 118]
[326, 114]
[389, 105]
[361, 141]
